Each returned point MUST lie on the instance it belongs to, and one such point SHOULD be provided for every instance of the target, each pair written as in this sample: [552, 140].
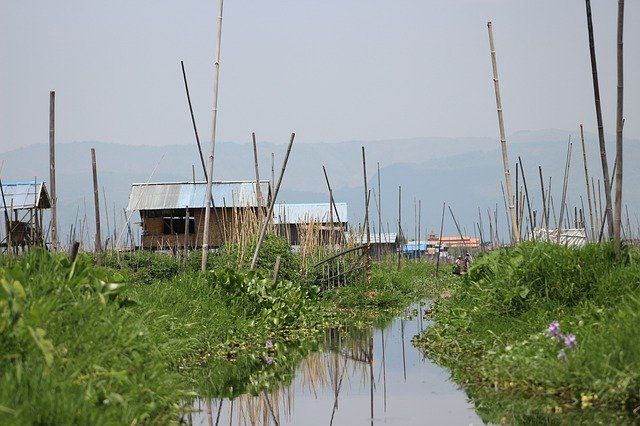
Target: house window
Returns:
[177, 225]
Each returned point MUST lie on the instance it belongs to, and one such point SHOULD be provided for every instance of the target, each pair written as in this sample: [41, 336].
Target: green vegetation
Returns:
[543, 329]
[137, 340]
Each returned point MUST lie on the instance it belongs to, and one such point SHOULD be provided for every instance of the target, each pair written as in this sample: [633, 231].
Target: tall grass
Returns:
[493, 330]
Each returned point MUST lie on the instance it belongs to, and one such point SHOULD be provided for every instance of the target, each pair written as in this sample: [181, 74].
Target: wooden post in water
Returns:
[96, 200]
[52, 170]
[207, 211]
[503, 141]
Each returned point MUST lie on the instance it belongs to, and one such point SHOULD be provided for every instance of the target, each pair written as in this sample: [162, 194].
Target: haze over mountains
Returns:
[465, 173]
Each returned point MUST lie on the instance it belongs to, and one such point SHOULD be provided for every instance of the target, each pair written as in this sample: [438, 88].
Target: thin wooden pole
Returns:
[255, 161]
[617, 222]
[440, 239]
[545, 219]
[106, 209]
[564, 190]
[457, 227]
[366, 221]
[52, 170]
[96, 199]
[331, 200]
[380, 226]
[265, 223]
[526, 194]
[193, 121]
[399, 224]
[503, 141]
[207, 211]
[586, 178]
[596, 94]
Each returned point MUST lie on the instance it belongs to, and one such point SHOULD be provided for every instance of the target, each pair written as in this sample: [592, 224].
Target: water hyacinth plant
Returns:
[569, 340]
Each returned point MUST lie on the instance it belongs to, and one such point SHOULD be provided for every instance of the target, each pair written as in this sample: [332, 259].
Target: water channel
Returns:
[359, 377]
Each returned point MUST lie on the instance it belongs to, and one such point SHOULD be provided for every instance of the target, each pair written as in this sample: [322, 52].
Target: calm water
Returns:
[359, 372]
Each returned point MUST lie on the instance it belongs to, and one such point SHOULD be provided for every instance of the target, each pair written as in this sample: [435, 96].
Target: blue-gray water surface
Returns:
[335, 387]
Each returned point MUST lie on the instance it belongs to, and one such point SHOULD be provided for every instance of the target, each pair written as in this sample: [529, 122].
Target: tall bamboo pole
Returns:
[379, 213]
[52, 170]
[526, 193]
[564, 190]
[596, 94]
[366, 220]
[265, 223]
[440, 239]
[193, 121]
[216, 78]
[399, 224]
[503, 141]
[619, 126]
[586, 178]
[96, 200]
[255, 160]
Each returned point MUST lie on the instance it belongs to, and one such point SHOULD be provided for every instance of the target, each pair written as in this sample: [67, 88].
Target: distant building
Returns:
[23, 205]
[463, 242]
[172, 213]
[381, 244]
[311, 223]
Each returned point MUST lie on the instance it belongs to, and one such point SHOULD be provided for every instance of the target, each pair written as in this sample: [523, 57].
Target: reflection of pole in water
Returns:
[273, 414]
[371, 372]
[230, 412]
[209, 412]
[404, 361]
[384, 373]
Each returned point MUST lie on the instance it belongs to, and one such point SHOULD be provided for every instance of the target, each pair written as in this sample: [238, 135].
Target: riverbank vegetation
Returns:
[542, 329]
[135, 341]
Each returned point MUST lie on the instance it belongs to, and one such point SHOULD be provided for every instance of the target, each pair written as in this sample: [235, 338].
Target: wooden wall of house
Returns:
[224, 225]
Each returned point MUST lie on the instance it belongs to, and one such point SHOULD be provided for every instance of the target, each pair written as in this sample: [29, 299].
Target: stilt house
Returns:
[23, 205]
[172, 214]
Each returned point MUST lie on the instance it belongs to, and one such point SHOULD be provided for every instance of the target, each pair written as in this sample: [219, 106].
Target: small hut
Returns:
[23, 205]
[311, 223]
[172, 214]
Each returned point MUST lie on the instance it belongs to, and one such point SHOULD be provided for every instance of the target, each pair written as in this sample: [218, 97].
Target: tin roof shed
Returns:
[24, 195]
[178, 195]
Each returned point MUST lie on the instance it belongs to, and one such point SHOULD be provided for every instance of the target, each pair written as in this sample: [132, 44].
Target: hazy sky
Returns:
[330, 70]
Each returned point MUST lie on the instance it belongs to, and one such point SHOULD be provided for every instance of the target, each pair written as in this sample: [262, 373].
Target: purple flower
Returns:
[554, 329]
[570, 341]
[268, 344]
[562, 355]
[268, 360]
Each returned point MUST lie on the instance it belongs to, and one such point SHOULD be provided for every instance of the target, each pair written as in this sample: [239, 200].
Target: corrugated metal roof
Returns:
[25, 195]
[308, 212]
[384, 238]
[178, 195]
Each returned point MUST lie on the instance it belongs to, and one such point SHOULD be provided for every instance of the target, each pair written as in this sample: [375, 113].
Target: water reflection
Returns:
[356, 376]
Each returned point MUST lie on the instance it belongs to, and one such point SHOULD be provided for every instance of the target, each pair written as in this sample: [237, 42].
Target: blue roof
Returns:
[25, 195]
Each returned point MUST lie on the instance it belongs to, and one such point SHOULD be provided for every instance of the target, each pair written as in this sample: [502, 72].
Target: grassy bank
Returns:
[541, 329]
[136, 341]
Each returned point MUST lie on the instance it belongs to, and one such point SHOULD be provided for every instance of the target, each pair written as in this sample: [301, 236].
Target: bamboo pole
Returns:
[503, 142]
[545, 219]
[440, 239]
[457, 227]
[366, 222]
[265, 223]
[619, 128]
[399, 224]
[193, 121]
[104, 198]
[52, 170]
[96, 200]
[379, 214]
[586, 178]
[255, 161]
[564, 190]
[216, 78]
[596, 94]
[526, 194]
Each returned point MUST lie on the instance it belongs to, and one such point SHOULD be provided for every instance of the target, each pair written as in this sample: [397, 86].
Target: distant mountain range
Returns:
[464, 173]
